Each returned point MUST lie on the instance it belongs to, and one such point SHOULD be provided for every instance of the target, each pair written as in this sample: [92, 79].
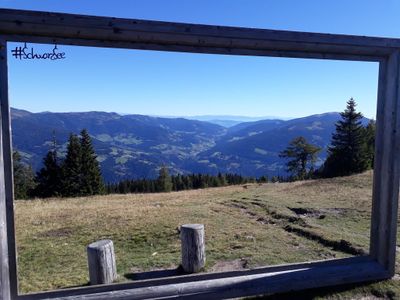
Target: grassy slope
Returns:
[255, 225]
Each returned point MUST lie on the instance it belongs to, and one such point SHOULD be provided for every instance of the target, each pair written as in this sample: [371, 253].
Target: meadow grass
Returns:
[246, 226]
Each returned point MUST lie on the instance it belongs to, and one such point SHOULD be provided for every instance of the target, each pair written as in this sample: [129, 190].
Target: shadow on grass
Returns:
[155, 274]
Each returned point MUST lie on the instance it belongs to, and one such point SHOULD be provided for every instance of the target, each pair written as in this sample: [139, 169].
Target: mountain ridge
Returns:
[135, 146]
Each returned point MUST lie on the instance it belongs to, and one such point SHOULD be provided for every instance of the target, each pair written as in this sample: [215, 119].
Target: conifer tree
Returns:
[302, 156]
[222, 179]
[91, 179]
[164, 180]
[177, 183]
[71, 168]
[49, 177]
[369, 134]
[23, 178]
[347, 153]
[214, 181]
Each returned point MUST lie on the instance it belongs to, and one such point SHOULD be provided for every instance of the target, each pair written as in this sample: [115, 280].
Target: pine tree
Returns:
[164, 180]
[369, 134]
[347, 154]
[263, 179]
[49, 177]
[123, 187]
[23, 178]
[91, 179]
[302, 156]
[178, 183]
[71, 168]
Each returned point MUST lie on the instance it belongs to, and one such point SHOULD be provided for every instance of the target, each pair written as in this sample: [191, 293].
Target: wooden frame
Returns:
[44, 27]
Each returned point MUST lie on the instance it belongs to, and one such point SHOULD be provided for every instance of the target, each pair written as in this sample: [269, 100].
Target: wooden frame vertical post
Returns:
[387, 164]
[8, 280]
[4, 262]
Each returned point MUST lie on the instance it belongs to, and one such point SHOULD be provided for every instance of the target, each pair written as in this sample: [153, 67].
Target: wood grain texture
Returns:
[150, 35]
[192, 49]
[101, 262]
[193, 247]
[378, 182]
[18, 20]
[237, 284]
[8, 286]
[387, 164]
[191, 278]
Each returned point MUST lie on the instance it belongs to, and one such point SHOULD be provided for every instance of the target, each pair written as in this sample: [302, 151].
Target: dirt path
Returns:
[292, 224]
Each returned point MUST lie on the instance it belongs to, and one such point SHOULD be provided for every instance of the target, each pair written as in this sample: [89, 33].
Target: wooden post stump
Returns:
[193, 247]
[101, 261]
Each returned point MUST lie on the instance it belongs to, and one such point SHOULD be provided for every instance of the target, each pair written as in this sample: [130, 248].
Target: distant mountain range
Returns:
[135, 146]
[231, 120]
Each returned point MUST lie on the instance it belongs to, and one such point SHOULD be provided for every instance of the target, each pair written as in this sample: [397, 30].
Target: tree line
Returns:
[351, 150]
[180, 182]
[78, 174]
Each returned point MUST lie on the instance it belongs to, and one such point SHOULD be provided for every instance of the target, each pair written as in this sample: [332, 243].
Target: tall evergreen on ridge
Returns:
[48, 179]
[71, 168]
[23, 178]
[92, 181]
[347, 152]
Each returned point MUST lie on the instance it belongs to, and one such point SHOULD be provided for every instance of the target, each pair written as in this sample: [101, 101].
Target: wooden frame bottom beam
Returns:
[262, 281]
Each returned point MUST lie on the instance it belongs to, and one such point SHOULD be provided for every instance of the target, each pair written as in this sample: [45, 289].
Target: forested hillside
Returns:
[136, 146]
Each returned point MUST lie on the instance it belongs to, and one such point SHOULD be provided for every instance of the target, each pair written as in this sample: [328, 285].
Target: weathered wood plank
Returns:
[22, 18]
[193, 248]
[190, 37]
[378, 162]
[196, 278]
[9, 186]
[387, 164]
[291, 279]
[192, 49]
[6, 225]
[202, 44]
[101, 262]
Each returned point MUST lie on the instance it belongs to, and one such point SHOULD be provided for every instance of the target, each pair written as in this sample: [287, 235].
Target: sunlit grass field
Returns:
[246, 226]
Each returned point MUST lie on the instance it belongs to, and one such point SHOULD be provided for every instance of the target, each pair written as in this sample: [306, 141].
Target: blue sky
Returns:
[164, 83]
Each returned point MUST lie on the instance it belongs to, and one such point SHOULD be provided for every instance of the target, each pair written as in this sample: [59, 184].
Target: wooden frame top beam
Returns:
[45, 27]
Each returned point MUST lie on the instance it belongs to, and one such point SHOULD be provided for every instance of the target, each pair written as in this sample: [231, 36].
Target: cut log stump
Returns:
[101, 261]
[193, 247]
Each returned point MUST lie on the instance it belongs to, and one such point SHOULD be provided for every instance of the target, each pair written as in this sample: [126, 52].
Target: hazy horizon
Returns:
[197, 117]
